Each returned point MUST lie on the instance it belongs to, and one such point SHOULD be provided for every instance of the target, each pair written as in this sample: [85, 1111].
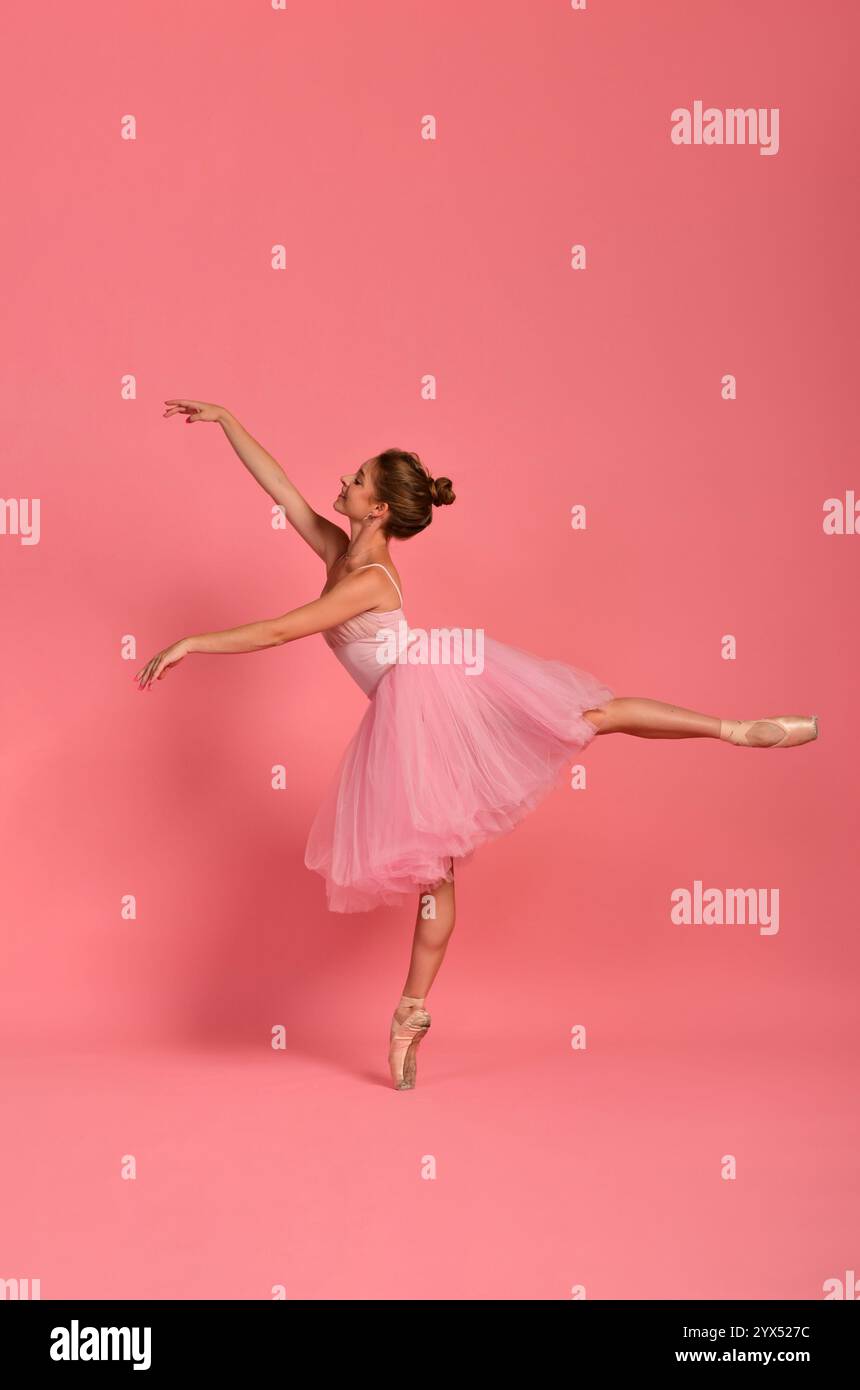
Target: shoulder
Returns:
[366, 584]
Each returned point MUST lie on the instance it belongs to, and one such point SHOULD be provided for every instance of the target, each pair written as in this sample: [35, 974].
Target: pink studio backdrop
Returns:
[151, 258]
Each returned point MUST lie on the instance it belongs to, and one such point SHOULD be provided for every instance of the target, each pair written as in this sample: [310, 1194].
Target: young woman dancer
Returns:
[445, 758]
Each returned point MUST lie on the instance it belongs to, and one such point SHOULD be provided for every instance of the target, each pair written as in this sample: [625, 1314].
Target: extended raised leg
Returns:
[644, 718]
[633, 714]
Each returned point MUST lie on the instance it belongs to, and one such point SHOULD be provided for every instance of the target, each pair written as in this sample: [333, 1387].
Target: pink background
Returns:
[555, 1168]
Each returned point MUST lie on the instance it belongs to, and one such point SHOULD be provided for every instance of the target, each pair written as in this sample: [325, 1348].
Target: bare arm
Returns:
[322, 535]
[353, 595]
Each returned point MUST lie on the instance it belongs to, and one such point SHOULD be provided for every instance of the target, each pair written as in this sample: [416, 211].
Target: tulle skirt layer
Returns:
[442, 762]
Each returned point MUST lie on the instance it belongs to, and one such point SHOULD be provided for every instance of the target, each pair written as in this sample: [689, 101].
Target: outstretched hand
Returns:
[195, 410]
[158, 666]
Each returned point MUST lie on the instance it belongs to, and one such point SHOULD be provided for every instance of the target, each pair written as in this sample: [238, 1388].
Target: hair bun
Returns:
[442, 492]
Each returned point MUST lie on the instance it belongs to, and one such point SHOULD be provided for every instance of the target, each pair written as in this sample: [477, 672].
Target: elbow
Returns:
[279, 633]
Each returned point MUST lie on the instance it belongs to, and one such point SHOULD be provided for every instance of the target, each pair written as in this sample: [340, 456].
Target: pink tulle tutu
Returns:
[442, 762]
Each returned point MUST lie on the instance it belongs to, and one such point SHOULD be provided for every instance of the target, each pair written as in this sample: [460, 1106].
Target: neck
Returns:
[367, 542]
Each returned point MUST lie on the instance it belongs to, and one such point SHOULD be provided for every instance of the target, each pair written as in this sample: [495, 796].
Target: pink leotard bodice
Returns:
[356, 643]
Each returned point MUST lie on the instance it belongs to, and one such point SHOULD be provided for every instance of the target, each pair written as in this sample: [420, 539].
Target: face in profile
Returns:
[356, 498]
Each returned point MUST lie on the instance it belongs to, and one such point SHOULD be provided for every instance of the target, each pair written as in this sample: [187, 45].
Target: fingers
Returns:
[154, 670]
[189, 408]
[145, 675]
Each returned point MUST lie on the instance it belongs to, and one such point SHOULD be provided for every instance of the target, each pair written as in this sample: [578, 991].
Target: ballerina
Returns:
[445, 757]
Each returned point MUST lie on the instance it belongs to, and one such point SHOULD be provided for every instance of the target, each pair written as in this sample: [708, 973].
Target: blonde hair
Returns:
[402, 481]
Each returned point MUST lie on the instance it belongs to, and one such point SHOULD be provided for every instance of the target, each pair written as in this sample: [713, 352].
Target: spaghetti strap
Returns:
[374, 564]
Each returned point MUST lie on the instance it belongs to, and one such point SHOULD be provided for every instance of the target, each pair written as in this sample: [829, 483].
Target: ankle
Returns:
[409, 1003]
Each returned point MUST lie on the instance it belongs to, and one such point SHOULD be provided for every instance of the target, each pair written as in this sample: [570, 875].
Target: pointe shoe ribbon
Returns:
[796, 729]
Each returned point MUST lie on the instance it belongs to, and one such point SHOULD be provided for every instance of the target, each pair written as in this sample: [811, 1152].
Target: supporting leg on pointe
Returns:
[411, 1019]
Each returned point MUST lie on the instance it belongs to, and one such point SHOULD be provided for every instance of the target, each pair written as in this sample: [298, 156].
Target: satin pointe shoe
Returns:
[795, 728]
[406, 1034]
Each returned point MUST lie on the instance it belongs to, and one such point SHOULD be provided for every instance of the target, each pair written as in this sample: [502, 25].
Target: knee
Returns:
[597, 717]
